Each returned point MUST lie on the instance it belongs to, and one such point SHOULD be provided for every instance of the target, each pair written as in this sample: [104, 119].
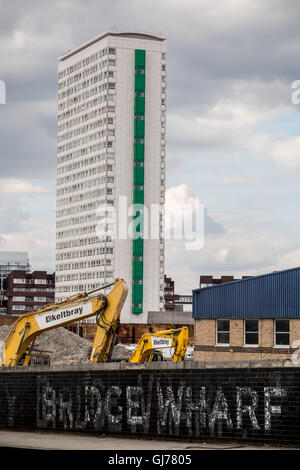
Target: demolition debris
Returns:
[65, 347]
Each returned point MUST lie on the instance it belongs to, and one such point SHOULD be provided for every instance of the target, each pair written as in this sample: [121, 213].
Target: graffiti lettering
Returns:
[170, 408]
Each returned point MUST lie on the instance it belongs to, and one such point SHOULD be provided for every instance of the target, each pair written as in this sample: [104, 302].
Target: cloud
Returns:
[37, 237]
[181, 198]
[2, 241]
[20, 200]
[229, 76]
[235, 180]
[237, 253]
[11, 215]
[15, 186]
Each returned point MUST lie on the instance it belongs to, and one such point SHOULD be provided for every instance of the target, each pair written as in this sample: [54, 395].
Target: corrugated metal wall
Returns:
[275, 295]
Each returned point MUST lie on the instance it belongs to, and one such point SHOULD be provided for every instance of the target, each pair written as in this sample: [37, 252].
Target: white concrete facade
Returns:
[95, 163]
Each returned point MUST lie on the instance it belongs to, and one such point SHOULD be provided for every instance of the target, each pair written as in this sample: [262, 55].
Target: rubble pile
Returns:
[65, 347]
[4, 331]
[123, 351]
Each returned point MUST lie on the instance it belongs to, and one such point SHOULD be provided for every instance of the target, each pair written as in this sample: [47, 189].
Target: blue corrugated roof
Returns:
[273, 295]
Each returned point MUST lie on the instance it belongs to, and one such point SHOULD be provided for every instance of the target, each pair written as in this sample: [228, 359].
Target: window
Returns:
[17, 298]
[251, 333]
[223, 334]
[40, 281]
[19, 281]
[282, 333]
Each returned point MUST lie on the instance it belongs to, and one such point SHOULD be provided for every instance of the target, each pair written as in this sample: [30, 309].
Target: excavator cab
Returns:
[175, 340]
[35, 358]
[155, 356]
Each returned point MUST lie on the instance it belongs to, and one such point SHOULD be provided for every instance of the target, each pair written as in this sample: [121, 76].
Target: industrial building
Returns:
[254, 318]
[111, 153]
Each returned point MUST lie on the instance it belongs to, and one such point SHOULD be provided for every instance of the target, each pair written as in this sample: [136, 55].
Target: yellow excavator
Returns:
[150, 344]
[18, 346]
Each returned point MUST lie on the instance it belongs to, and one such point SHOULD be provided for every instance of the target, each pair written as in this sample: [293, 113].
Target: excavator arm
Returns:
[13, 350]
[168, 339]
[108, 323]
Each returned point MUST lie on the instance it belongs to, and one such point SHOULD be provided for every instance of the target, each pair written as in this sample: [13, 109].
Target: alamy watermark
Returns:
[296, 94]
[2, 92]
[295, 355]
[180, 222]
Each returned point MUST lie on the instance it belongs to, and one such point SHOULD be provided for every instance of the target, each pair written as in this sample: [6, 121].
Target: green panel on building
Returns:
[139, 152]
[138, 247]
[138, 175]
[136, 309]
[137, 294]
[138, 179]
[139, 104]
[139, 128]
[140, 58]
[137, 269]
[139, 82]
[138, 196]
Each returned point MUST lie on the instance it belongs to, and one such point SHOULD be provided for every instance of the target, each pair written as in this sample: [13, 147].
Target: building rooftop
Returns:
[13, 257]
[248, 279]
[124, 34]
[272, 295]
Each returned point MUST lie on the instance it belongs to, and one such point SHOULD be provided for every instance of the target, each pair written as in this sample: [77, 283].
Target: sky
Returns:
[233, 138]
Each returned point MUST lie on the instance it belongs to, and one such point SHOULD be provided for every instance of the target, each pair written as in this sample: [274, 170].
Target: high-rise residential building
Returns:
[111, 154]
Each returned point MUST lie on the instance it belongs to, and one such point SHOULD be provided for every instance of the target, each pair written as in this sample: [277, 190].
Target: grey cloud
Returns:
[2, 241]
[238, 50]
[27, 142]
[204, 61]
[212, 227]
[11, 215]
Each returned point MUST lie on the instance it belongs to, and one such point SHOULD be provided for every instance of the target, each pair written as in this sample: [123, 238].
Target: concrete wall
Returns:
[244, 401]
[206, 349]
[180, 318]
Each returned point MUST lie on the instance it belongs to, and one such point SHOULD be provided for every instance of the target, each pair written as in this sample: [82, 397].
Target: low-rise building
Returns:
[26, 291]
[253, 318]
[175, 302]
[208, 281]
[9, 261]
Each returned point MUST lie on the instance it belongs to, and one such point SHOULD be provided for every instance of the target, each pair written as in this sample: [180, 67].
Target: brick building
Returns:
[253, 318]
[9, 261]
[169, 294]
[208, 281]
[175, 302]
[26, 291]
